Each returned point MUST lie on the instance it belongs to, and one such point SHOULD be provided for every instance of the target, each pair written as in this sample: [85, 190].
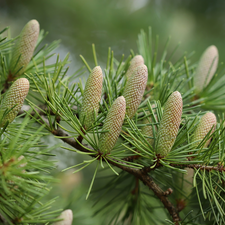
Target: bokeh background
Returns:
[116, 24]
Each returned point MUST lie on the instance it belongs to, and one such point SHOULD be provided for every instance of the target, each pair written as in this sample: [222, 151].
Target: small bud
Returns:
[113, 125]
[134, 89]
[169, 124]
[134, 63]
[24, 48]
[92, 97]
[14, 97]
[206, 68]
[67, 216]
[205, 125]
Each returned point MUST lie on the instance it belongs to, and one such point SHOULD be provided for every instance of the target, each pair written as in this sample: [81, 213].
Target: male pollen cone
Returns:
[169, 124]
[92, 97]
[205, 125]
[67, 216]
[24, 48]
[138, 60]
[135, 88]
[14, 97]
[206, 68]
[112, 125]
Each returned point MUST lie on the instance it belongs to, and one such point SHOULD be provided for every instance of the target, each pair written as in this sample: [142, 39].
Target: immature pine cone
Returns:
[15, 96]
[67, 216]
[134, 89]
[206, 68]
[113, 125]
[24, 48]
[92, 97]
[205, 125]
[169, 124]
[134, 63]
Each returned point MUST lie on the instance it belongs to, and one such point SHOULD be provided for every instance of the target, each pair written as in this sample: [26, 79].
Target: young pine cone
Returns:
[169, 124]
[92, 97]
[14, 98]
[113, 125]
[134, 63]
[205, 125]
[206, 68]
[134, 89]
[66, 216]
[24, 48]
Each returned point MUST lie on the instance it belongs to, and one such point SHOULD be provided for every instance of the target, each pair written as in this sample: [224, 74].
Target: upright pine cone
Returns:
[24, 48]
[66, 216]
[92, 97]
[205, 125]
[134, 89]
[169, 124]
[14, 97]
[113, 125]
[206, 68]
[134, 63]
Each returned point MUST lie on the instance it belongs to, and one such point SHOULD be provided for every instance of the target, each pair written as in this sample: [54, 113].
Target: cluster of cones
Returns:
[136, 76]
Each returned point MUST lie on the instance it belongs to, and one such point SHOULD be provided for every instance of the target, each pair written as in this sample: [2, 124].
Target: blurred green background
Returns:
[115, 24]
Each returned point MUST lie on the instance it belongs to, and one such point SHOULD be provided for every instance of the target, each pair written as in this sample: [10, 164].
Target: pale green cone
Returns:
[112, 125]
[24, 48]
[92, 97]
[205, 125]
[67, 216]
[134, 89]
[138, 60]
[206, 68]
[15, 96]
[169, 124]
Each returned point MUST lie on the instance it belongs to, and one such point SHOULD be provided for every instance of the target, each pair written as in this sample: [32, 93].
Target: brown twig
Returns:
[144, 177]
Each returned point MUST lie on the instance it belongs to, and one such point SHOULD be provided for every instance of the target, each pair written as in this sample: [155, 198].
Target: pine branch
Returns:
[140, 174]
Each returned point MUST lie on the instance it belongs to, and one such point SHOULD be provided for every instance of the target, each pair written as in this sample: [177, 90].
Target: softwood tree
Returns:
[154, 126]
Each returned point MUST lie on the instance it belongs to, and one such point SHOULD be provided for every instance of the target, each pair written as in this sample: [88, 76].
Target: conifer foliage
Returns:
[139, 123]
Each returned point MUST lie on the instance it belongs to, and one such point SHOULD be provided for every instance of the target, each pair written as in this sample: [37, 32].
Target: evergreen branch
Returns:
[144, 177]
[219, 168]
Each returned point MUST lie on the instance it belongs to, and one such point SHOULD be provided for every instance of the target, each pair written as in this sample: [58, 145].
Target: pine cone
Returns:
[14, 97]
[113, 125]
[205, 125]
[24, 48]
[169, 124]
[206, 68]
[134, 63]
[134, 89]
[67, 216]
[92, 97]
